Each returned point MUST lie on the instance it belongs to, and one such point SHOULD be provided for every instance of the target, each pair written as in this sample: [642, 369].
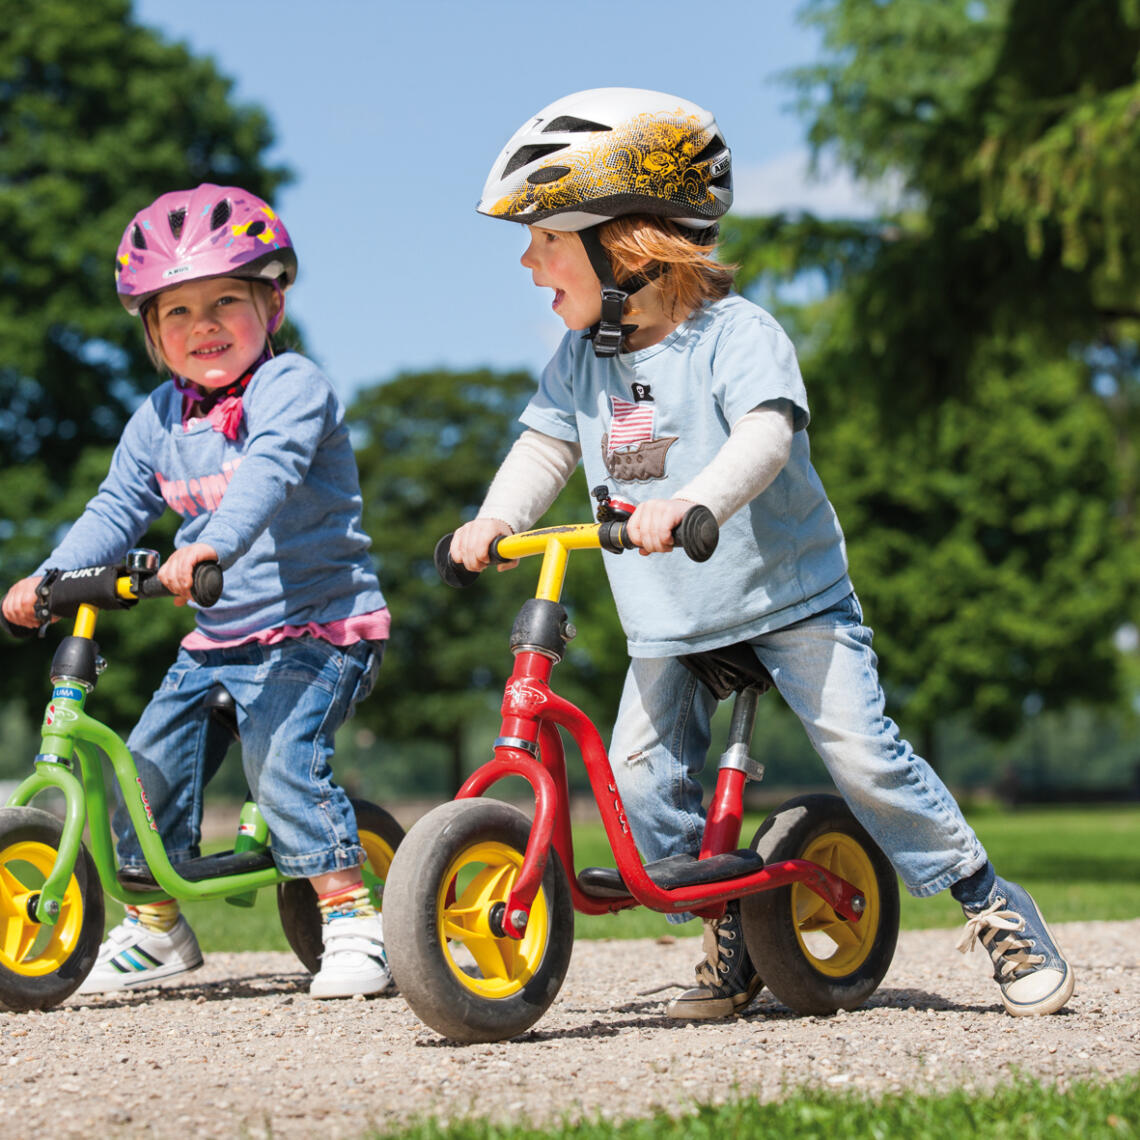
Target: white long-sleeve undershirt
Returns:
[538, 466]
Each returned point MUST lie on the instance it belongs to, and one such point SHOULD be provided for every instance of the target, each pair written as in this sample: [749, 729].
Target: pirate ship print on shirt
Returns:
[629, 450]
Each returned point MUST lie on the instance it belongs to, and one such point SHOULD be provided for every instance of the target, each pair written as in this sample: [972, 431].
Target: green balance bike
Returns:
[51, 884]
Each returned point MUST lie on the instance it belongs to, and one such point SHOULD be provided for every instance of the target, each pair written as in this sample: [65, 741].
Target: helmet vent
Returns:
[572, 124]
[714, 149]
[547, 174]
[256, 228]
[137, 239]
[221, 214]
[176, 218]
[528, 154]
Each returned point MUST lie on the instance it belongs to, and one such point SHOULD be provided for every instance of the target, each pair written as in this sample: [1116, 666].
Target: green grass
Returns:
[1079, 863]
[1024, 1109]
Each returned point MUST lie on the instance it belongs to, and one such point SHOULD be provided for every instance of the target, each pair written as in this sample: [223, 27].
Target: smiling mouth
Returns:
[559, 297]
[210, 350]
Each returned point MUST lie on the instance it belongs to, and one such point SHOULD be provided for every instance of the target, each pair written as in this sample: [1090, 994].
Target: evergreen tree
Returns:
[958, 421]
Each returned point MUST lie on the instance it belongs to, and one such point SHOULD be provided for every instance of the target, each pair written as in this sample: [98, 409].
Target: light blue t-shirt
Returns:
[648, 422]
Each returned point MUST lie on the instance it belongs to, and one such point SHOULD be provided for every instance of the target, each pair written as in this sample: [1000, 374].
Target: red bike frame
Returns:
[530, 746]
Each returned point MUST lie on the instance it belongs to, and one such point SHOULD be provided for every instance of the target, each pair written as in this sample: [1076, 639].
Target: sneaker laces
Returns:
[714, 968]
[994, 928]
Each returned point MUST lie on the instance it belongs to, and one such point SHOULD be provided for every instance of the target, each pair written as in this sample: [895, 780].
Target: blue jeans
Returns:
[827, 673]
[291, 698]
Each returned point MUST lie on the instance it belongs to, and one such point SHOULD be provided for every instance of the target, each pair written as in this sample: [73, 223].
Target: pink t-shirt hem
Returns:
[363, 627]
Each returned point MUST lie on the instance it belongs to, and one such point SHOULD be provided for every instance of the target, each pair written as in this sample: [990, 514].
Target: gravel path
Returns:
[238, 1048]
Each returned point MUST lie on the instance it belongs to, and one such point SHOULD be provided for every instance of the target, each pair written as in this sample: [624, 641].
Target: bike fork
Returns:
[55, 772]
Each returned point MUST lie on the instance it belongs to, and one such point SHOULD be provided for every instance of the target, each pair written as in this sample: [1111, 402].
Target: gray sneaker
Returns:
[726, 979]
[133, 957]
[1028, 964]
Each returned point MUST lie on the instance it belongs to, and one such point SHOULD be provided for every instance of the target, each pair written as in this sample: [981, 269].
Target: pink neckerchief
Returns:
[220, 408]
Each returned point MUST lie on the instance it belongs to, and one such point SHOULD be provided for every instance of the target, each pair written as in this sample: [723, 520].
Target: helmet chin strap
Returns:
[609, 332]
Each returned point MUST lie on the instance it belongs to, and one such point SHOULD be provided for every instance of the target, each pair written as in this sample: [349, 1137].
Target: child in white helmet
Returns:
[674, 390]
[252, 451]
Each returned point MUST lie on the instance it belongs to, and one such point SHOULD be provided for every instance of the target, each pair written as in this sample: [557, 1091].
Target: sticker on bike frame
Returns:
[55, 716]
[146, 804]
[67, 692]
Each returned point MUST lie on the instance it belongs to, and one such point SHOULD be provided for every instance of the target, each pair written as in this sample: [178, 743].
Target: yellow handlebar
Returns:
[696, 534]
[554, 543]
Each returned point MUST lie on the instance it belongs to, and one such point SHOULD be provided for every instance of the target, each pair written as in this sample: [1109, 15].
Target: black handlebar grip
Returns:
[454, 574]
[206, 588]
[152, 588]
[21, 631]
[697, 533]
[208, 582]
[614, 536]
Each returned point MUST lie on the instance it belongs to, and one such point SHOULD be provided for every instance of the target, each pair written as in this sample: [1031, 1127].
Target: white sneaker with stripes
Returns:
[133, 957]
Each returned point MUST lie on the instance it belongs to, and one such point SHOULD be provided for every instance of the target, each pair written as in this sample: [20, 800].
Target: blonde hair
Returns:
[689, 276]
[149, 314]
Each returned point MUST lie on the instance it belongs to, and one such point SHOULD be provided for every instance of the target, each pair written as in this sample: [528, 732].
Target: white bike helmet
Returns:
[606, 153]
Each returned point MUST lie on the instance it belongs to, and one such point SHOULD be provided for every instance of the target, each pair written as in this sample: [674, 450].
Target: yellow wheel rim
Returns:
[833, 946]
[379, 853]
[477, 879]
[26, 946]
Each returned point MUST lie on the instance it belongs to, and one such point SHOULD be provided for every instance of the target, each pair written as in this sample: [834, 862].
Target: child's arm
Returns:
[532, 474]
[747, 463]
[127, 502]
[527, 482]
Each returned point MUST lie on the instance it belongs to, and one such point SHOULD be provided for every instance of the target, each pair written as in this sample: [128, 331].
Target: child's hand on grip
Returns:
[471, 544]
[651, 526]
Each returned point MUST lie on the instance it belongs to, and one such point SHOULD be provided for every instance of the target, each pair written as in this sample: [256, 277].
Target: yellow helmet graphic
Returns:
[608, 152]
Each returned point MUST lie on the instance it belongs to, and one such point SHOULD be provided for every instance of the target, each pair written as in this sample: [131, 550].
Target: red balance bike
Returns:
[479, 903]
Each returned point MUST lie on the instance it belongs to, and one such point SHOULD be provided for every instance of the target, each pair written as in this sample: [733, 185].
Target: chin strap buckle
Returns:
[608, 332]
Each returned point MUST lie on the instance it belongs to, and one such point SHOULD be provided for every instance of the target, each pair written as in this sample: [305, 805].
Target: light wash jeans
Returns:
[291, 698]
[827, 673]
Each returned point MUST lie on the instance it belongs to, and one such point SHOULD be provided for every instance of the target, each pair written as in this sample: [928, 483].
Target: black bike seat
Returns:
[728, 670]
[221, 708]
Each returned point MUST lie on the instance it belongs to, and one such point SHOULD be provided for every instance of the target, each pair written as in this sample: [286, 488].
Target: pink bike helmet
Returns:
[210, 231]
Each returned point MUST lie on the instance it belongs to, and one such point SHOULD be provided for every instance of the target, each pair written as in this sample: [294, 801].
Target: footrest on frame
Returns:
[673, 871]
[206, 867]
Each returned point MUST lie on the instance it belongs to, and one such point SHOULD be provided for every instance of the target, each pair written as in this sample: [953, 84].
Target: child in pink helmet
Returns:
[673, 390]
[251, 449]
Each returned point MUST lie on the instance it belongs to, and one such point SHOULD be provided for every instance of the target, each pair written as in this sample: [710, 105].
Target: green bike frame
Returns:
[69, 736]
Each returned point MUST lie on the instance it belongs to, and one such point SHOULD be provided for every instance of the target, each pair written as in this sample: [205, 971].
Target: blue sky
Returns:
[390, 116]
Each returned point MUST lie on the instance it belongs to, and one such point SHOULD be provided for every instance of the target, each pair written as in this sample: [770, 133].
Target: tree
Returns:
[1061, 152]
[98, 116]
[428, 445]
[974, 464]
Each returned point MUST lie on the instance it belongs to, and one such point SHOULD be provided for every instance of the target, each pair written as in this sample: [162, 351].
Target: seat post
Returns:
[726, 811]
[743, 719]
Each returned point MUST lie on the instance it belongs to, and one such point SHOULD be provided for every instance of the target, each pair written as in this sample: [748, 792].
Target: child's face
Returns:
[558, 261]
[211, 331]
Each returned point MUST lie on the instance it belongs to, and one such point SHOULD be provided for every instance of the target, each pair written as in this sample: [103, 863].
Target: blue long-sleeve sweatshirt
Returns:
[281, 504]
